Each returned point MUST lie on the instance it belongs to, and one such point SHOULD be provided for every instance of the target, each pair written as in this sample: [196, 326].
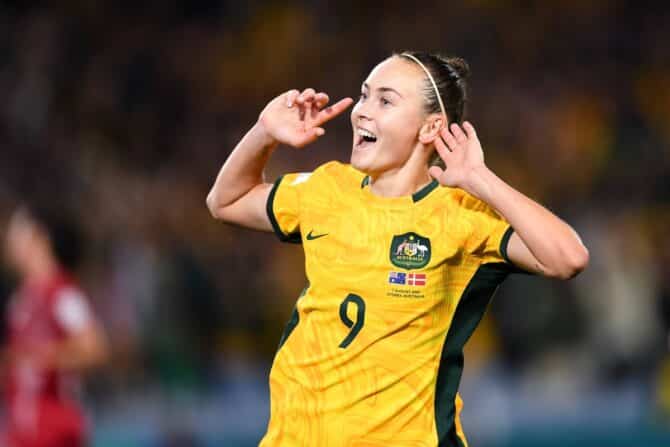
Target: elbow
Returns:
[573, 264]
[214, 207]
[104, 353]
[93, 352]
[100, 352]
[99, 357]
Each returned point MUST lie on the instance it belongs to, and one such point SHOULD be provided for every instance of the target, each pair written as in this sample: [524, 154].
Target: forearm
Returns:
[77, 355]
[242, 170]
[554, 244]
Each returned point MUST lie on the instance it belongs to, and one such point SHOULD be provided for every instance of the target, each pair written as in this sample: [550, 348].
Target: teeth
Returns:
[366, 133]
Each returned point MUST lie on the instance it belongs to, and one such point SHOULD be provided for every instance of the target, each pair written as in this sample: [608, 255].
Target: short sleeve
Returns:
[489, 232]
[71, 310]
[283, 206]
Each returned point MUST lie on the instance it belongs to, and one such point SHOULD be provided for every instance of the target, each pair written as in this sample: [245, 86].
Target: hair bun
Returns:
[458, 65]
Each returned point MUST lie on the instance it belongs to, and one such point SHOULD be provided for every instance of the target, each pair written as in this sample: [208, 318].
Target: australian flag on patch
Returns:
[397, 277]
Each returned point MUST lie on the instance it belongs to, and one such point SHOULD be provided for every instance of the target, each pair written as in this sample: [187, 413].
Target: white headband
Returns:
[432, 81]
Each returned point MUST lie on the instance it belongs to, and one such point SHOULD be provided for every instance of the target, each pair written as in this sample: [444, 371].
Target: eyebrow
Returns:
[383, 89]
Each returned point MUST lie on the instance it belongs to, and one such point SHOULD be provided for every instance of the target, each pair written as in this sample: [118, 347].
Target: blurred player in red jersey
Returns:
[52, 333]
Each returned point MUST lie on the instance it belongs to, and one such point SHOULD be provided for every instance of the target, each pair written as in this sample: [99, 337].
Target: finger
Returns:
[469, 129]
[314, 112]
[442, 149]
[435, 172]
[308, 110]
[449, 139]
[291, 95]
[306, 95]
[321, 99]
[457, 132]
[331, 112]
[309, 136]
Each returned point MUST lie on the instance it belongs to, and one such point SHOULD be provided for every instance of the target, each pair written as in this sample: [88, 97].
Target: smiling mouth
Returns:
[364, 138]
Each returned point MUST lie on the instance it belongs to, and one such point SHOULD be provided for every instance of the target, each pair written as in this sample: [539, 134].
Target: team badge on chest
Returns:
[410, 251]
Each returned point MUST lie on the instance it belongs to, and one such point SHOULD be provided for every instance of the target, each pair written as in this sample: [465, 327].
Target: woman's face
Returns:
[387, 118]
[22, 238]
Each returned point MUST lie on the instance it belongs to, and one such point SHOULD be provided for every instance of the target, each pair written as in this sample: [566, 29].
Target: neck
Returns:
[402, 181]
[40, 269]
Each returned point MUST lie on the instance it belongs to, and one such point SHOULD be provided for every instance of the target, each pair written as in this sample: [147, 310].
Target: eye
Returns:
[384, 101]
[363, 96]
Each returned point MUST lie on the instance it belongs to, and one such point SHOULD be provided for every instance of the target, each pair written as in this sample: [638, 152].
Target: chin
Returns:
[356, 163]
[372, 162]
[366, 167]
[359, 162]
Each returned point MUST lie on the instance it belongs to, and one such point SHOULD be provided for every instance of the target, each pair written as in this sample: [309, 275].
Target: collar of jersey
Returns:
[418, 195]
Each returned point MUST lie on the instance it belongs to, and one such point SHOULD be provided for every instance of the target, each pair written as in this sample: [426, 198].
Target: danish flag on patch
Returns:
[416, 279]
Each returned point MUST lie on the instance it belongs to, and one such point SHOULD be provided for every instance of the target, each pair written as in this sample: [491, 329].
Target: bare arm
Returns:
[79, 351]
[542, 242]
[240, 193]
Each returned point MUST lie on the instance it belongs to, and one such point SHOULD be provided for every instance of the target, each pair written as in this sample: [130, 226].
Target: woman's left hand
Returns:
[462, 154]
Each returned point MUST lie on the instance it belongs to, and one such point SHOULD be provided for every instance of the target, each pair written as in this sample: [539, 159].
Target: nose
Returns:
[361, 111]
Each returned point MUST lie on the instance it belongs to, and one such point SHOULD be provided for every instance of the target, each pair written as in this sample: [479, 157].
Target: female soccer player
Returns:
[53, 334]
[402, 255]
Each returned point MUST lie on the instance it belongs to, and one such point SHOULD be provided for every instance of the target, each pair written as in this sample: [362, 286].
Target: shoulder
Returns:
[70, 307]
[341, 172]
[332, 174]
[466, 201]
[65, 288]
[463, 211]
[69, 292]
[339, 182]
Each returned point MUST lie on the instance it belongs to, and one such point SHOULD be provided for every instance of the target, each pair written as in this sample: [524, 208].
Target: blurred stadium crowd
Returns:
[124, 111]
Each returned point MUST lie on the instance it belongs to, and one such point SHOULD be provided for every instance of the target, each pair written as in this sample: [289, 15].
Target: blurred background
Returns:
[125, 111]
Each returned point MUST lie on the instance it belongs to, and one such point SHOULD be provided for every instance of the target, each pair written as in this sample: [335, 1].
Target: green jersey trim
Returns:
[504, 242]
[469, 312]
[420, 194]
[293, 238]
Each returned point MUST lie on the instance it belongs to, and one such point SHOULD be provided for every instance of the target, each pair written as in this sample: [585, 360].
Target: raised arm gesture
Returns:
[239, 194]
[295, 118]
[542, 242]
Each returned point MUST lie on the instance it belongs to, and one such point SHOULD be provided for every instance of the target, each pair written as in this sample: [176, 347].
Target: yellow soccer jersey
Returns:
[372, 355]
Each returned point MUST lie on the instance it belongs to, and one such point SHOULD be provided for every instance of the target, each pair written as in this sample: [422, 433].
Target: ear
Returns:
[431, 128]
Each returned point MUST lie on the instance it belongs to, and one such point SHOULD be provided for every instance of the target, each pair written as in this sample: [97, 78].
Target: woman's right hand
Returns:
[295, 118]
